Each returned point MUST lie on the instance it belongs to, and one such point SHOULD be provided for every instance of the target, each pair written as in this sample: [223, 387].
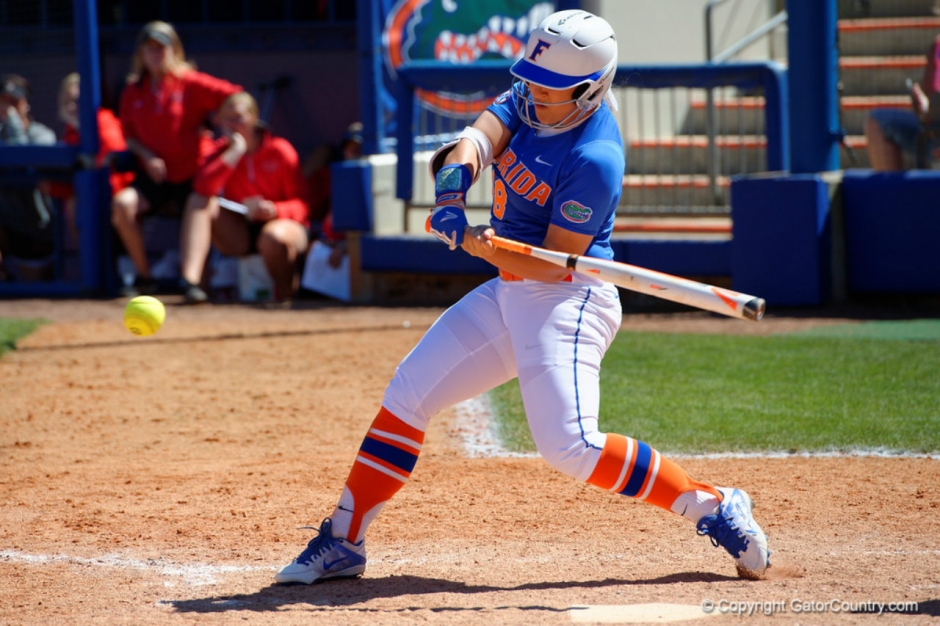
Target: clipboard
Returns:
[231, 205]
[320, 277]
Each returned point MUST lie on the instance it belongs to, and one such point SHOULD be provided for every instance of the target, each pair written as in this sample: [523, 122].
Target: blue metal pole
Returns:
[777, 124]
[404, 120]
[813, 75]
[88, 188]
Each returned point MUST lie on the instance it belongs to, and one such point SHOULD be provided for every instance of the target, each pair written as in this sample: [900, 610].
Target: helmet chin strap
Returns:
[572, 120]
[611, 101]
[583, 110]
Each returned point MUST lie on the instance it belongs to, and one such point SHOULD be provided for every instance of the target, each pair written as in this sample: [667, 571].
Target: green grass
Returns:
[13, 329]
[925, 329]
[709, 393]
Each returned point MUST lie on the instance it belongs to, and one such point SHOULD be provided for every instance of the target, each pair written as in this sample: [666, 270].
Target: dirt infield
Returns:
[163, 481]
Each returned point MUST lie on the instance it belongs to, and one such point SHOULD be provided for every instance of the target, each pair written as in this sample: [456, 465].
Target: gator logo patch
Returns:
[574, 212]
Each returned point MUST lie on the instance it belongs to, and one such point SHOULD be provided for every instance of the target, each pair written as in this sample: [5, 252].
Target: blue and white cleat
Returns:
[325, 557]
[734, 529]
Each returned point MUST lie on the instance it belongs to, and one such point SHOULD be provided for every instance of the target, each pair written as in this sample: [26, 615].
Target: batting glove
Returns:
[448, 218]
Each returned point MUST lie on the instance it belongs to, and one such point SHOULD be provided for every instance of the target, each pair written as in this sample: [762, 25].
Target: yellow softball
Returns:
[144, 315]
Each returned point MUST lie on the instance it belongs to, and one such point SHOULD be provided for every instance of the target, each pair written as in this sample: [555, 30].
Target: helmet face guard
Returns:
[525, 106]
[567, 49]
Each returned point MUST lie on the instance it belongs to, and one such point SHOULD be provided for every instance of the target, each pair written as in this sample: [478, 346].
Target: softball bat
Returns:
[649, 282]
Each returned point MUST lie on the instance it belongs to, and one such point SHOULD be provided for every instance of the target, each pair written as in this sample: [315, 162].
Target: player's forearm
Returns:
[476, 243]
[527, 267]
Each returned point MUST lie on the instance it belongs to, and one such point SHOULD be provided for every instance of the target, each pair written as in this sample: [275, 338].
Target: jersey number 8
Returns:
[499, 199]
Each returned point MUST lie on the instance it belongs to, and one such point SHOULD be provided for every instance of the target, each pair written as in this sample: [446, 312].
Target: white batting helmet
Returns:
[568, 49]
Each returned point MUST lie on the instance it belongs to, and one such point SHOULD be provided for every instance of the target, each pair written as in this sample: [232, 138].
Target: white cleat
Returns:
[734, 529]
[325, 557]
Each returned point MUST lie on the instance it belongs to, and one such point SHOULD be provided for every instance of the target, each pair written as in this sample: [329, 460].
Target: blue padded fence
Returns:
[892, 230]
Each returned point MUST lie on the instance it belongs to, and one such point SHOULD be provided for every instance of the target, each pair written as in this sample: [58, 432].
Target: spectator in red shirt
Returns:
[259, 176]
[110, 141]
[164, 109]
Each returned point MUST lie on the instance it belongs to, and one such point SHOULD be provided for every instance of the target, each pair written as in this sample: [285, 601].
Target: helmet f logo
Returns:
[540, 47]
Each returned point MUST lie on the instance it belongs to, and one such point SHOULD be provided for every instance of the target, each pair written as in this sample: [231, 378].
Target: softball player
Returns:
[558, 169]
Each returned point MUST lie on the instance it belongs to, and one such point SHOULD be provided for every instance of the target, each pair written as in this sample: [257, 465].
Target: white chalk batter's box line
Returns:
[194, 574]
[475, 426]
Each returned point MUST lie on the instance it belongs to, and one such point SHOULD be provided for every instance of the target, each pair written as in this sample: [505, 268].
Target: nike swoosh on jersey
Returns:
[538, 159]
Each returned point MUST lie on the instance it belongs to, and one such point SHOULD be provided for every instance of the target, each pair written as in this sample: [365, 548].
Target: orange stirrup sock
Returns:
[634, 469]
[385, 460]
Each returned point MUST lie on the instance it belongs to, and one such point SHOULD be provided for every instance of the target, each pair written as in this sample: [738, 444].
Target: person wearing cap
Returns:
[26, 231]
[261, 174]
[558, 164]
[164, 110]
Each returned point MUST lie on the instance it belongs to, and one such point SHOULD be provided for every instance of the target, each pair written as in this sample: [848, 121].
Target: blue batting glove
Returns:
[448, 218]
[447, 224]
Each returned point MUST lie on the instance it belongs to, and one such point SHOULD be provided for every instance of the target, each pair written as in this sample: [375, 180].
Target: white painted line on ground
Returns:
[822, 454]
[658, 613]
[476, 431]
[475, 426]
[194, 574]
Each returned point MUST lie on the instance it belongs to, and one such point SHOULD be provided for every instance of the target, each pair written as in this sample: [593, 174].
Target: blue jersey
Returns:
[571, 179]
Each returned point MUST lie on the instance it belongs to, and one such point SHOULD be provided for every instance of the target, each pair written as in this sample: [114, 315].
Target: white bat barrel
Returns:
[674, 288]
[665, 286]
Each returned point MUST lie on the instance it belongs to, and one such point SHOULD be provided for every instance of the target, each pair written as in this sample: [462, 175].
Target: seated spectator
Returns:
[894, 133]
[26, 229]
[258, 174]
[110, 139]
[17, 127]
[351, 145]
[316, 169]
[319, 187]
[164, 110]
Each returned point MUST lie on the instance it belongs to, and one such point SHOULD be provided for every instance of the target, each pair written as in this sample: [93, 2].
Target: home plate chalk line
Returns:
[194, 574]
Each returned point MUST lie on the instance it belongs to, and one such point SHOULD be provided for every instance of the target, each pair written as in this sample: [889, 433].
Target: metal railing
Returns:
[725, 55]
[745, 42]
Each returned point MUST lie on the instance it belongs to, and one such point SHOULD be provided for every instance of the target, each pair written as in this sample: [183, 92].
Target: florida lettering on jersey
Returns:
[521, 179]
[572, 180]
